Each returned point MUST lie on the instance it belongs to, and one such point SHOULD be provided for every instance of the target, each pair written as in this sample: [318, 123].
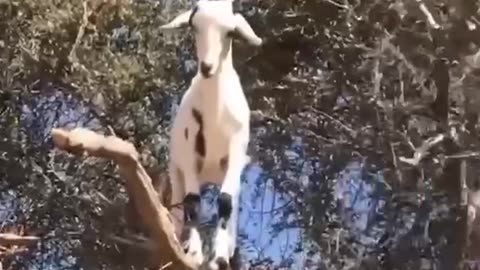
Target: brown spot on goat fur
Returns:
[224, 163]
[199, 138]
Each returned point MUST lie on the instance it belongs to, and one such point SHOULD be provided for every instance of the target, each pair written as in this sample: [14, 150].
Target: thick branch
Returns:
[156, 217]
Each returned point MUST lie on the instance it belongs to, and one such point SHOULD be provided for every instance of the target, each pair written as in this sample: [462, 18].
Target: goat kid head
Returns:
[214, 24]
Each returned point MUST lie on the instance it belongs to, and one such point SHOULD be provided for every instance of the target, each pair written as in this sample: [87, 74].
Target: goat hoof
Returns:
[224, 202]
[236, 260]
[192, 205]
[222, 264]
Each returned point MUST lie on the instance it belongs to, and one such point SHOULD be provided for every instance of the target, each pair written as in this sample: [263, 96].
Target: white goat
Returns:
[211, 129]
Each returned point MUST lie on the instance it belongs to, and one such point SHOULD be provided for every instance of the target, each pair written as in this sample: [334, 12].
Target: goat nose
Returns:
[205, 68]
[222, 264]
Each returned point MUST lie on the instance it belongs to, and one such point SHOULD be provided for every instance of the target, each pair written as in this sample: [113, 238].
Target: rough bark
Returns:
[155, 216]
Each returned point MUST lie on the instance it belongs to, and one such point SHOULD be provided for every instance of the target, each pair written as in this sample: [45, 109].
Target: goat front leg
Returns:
[186, 208]
[192, 200]
[228, 204]
[192, 210]
[187, 204]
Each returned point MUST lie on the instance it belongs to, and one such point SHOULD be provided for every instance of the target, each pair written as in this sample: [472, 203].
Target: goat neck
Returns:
[216, 89]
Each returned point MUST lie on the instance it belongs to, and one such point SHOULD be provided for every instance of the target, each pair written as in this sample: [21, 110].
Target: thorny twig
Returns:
[428, 14]
[144, 244]
[352, 132]
[466, 154]
[377, 78]
[463, 183]
[17, 240]
[166, 266]
[395, 163]
[337, 4]
[464, 208]
[72, 56]
[422, 151]
[402, 87]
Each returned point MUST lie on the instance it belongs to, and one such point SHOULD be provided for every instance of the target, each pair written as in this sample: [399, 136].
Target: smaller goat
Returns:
[210, 132]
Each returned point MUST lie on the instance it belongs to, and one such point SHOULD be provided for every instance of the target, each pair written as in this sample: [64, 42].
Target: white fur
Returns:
[223, 246]
[194, 246]
[220, 99]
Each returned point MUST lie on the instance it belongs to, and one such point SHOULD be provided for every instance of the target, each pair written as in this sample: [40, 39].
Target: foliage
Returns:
[354, 80]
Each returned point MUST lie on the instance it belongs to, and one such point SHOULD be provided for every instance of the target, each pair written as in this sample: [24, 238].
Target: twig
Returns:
[104, 198]
[17, 240]
[463, 184]
[395, 164]
[377, 78]
[422, 151]
[428, 14]
[337, 240]
[353, 133]
[143, 244]
[464, 212]
[166, 266]
[112, 131]
[72, 56]
[156, 218]
[467, 154]
[337, 4]
[402, 87]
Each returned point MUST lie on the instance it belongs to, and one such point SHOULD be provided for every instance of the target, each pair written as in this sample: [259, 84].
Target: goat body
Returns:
[211, 129]
[211, 113]
[209, 139]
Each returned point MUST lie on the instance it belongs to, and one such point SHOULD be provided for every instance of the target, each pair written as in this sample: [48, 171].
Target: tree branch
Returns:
[72, 56]
[17, 240]
[423, 150]
[156, 217]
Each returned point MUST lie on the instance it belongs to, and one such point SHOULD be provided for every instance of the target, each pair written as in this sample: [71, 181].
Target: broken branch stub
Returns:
[156, 217]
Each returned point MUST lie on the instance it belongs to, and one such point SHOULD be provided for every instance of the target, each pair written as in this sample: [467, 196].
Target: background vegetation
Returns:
[342, 93]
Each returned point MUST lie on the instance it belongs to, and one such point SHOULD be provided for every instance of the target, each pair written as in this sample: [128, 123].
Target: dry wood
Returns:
[156, 217]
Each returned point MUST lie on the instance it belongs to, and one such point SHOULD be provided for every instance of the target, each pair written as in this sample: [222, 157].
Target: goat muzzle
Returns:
[206, 69]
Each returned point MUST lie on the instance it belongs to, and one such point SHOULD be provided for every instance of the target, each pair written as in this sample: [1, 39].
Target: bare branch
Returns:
[156, 217]
[144, 244]
[17, 240]
[422, 151]
[337, 4]
[72, 56]
[395, 163]
[377, 78]
[428, 14]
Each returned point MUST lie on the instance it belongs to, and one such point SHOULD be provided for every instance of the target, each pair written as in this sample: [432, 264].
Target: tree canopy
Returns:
[364, 131]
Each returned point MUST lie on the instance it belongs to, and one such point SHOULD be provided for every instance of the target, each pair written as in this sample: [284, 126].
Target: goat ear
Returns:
[244, 30]
[181, 20]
